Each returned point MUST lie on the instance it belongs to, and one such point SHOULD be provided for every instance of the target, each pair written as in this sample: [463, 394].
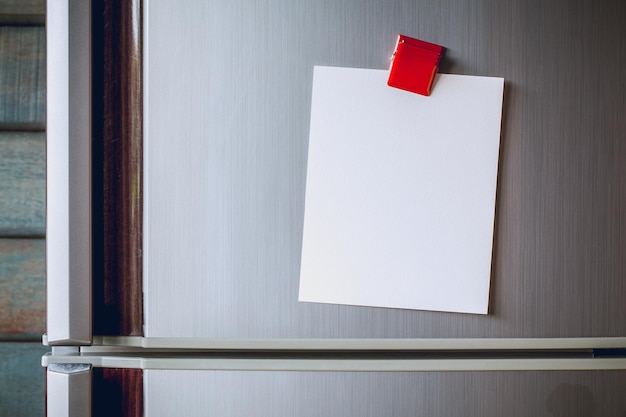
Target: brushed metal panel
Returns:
[264, 393]
[227, 103]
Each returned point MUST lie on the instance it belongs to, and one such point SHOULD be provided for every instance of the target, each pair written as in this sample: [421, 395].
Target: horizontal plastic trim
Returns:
[365, 344]
[335, 365]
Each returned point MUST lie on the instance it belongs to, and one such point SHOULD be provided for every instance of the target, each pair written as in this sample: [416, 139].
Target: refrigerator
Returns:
[177, 156]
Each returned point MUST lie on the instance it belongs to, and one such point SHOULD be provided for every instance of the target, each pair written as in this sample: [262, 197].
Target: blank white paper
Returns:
[400, 193]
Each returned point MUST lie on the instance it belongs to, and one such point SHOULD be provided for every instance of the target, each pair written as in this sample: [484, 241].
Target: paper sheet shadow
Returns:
[506, 100]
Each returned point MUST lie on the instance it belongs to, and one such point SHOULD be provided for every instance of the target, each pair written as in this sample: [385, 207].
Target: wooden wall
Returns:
[22, 206]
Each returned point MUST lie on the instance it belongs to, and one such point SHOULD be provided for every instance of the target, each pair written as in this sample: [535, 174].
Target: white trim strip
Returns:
[68, 391]
[363, 344]
[336, 365]
[68, 207]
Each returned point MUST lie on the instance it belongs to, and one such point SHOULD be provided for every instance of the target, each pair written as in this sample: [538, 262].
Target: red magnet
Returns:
[414, 64]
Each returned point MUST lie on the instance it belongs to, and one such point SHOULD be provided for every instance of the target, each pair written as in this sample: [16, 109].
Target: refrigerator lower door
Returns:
[341, 394]
[285, 385]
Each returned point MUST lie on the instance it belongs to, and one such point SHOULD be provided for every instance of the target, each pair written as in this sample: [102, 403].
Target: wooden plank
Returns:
[23, 179]
[23, 12]
[22, 379]
[118, 185]
[22, 289]
[17, 7]
[22, 76]
[23, 19]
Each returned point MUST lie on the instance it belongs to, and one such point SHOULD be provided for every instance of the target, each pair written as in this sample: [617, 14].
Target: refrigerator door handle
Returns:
[68, 166]
[68, 390]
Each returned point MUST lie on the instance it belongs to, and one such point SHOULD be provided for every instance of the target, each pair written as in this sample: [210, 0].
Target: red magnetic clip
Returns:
[414, 64]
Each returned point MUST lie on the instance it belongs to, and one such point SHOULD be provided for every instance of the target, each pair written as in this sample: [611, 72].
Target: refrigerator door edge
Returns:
[68, 165]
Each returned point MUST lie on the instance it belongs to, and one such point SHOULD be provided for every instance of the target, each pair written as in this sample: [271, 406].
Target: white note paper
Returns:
[400, 193]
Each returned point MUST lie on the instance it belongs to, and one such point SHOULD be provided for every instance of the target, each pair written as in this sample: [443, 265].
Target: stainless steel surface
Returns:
[266, 393]
[227, 103]
[68, 390]
[68, 212]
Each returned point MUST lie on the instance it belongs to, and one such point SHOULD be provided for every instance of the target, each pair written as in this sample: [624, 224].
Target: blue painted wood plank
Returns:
[22, 289]
[22, 379]
[22, 184]
[22, 76]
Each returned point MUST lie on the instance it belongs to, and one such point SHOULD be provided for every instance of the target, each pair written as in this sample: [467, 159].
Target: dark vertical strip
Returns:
[118, 306]
[97, 155]
[117, 392]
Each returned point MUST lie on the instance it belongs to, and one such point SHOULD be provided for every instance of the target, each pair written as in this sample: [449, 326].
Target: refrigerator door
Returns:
[227, 100]
[341, 394]
[279, 385]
